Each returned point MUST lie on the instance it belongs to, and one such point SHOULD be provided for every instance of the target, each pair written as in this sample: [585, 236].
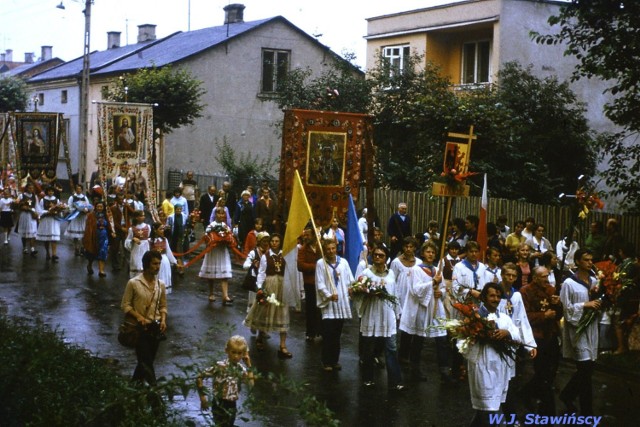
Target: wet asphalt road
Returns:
[86, 309]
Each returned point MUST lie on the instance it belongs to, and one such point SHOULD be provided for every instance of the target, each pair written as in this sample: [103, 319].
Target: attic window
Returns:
[275, 66]
[41, 98]
[63, 97]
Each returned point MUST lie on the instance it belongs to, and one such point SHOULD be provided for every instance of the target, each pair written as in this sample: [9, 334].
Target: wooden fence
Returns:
[422, 207]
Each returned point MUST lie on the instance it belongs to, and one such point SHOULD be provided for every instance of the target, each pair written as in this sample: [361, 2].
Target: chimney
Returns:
[146, 33]
[28, 57]
[113, 39]
[8, 55]
[46, 53]
[2, 57]
[233, 13]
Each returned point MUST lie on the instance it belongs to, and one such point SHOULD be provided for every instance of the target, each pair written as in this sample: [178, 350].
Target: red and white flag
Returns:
[482, 226]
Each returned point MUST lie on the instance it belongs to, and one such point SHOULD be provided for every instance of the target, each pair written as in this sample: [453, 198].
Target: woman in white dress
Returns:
[79, 207]
[378, 322]
[27, 226]
[137, 242]
[49, 227]
[160, 244]
[216, 265]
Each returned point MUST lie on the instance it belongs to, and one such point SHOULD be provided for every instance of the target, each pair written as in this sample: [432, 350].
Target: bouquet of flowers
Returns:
[262, 298]
[605, 292]
[364, 287]
[220, 233]
[476, 325]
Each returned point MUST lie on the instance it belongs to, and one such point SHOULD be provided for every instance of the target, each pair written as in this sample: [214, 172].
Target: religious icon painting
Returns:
[326, 158]
[37, 142]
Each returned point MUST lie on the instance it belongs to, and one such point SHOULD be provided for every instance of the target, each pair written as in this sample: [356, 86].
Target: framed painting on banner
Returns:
[37, 143]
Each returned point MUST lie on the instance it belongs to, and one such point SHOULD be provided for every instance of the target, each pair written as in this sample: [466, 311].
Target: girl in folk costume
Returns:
[333, 277]
[402, 267]
[79, 206]
[137, 242]
[415, 317]
[253, 262]
[378, 322]
[268, 315]
[437, 310]
[95, 241]
[27, 226]
[160, 244]
[49, 227]
[6, 213]
[217, 262]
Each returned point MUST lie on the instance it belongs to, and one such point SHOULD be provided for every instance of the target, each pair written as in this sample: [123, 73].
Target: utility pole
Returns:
[84, 91]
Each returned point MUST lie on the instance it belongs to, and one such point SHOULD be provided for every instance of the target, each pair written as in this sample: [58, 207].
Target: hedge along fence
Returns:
[423, 207]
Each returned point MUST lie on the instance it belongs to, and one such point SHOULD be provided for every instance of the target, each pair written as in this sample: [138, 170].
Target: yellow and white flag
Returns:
[299, 216]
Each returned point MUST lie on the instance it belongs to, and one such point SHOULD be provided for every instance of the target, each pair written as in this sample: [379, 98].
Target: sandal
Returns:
[283, 353]
[212, 298]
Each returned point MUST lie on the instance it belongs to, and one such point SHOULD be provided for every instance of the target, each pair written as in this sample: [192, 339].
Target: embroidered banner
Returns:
[327, 149]
[36, 140]
[125, 147]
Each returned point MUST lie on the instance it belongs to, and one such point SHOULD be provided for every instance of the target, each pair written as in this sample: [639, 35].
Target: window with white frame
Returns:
[475, 62]
[275, 66]
[397, 58]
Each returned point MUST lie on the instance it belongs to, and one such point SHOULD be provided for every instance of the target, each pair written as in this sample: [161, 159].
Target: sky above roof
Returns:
[26, 25]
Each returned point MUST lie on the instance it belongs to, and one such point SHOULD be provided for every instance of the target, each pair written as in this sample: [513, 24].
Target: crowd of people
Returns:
[521, 281]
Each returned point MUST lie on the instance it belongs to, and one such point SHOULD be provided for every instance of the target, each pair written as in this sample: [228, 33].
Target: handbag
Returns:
[250, 281]
[129, 332]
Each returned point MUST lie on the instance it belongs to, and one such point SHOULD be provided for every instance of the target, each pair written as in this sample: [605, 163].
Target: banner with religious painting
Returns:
[36, 140]
[327, 149]
[125, 145]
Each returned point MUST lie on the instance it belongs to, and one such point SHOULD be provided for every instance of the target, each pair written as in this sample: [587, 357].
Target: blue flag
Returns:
[353, 238]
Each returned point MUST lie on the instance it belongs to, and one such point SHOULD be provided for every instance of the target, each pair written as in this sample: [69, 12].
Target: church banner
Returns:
[125, 146]
[327, 149]
[36, 140]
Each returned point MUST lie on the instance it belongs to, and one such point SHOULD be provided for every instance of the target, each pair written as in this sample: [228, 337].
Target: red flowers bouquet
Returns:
[364, 287]
[476, 325]
[219, 233]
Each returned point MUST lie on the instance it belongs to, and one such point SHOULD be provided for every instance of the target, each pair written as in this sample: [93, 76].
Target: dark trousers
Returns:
[545, 367]
[312, 312]
[394, 375]
[580, 386]
[331, 333]
[116, 252]
[443, 353]
[410, 348]
[224, 412]
[146, 354]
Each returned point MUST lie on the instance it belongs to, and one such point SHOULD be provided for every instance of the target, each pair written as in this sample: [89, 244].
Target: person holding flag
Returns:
[333, 277]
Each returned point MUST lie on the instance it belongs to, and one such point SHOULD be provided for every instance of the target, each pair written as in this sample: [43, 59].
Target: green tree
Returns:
[340, 87]
[603, 36]
[412, 110]
[244, 169]
[533, 136]
[13, 94]
[177, 93]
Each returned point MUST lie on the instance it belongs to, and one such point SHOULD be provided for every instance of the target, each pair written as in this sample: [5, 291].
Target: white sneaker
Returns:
[6, 241]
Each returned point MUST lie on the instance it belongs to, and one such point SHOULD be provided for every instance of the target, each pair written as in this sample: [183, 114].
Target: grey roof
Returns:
[24, 68]
[182, 46]
[98, 59]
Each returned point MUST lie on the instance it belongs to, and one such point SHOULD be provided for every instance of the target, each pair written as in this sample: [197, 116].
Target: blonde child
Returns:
[227, 375]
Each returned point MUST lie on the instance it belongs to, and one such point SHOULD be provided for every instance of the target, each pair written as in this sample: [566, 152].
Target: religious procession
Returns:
[491, 299]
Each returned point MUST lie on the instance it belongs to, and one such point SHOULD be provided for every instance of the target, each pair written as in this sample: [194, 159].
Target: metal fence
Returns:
[422, 207]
